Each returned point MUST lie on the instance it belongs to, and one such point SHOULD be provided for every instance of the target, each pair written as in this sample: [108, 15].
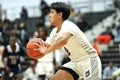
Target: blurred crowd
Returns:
[14, 38]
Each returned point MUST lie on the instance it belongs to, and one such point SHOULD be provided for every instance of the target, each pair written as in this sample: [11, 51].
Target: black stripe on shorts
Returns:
[73, 73]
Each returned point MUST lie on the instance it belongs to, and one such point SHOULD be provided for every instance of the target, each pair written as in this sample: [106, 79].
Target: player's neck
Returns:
[59, 25]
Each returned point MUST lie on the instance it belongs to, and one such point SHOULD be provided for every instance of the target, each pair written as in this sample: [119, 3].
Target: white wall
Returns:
[13, 7]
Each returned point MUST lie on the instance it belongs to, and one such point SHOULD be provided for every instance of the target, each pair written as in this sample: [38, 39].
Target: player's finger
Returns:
[43, 43]
[36, 44]
[40, 42]
[36, 49]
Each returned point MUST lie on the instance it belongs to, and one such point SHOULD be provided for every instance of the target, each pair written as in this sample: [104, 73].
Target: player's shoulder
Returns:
[68, 23]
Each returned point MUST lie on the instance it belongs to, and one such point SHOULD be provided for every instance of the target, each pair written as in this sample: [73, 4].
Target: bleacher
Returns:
[31, 24]
[111, 54]
[94, 17]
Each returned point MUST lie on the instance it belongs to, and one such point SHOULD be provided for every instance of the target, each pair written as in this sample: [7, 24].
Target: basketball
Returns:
[35, 54]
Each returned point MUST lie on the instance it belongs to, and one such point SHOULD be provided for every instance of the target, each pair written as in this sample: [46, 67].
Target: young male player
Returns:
[85, 62]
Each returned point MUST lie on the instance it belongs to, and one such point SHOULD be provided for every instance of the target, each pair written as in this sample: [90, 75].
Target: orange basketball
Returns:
[35, 54]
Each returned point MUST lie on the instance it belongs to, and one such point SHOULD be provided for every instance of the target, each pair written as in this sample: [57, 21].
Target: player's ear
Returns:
[60, 14]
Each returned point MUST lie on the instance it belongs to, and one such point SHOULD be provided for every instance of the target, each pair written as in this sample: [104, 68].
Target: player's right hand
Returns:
[41, 46]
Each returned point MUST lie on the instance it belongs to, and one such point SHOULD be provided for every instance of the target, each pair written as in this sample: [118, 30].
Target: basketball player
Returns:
[46, 65]
[11, 59]
[85, 64]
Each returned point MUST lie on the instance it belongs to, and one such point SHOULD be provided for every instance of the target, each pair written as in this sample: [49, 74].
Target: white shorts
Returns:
[45, 68]
[89, 69]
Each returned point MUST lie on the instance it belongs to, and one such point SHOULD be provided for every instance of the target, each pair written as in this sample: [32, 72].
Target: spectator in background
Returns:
[42, 33]
[14, 26]
[117, 27]
[44, 8]
[35, 34]
[14, 33]
[6, 31]
[96, 46]
[1, 64]
[6, 19]
[116, 74]
[24, 13]
[108, 71]
[45, 66]
[22, 26]
[117, 36]
[30, 72]
[40, 23]
[106, 36]
[11, 59]
[82, 23]
[1, 32]
[44, 12]
[72, 15]
[46, 18]
[23, 35]
[114, 20]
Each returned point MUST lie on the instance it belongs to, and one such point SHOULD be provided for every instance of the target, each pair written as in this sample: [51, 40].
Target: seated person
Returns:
[96, 46]
[108, 71]
[116, 74]
[105, 37]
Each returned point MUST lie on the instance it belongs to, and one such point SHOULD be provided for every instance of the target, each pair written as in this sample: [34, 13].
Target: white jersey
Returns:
[47, 58]
[78, 46]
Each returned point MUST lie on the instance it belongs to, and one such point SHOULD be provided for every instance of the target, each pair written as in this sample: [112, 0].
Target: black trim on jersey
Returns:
[73, 73]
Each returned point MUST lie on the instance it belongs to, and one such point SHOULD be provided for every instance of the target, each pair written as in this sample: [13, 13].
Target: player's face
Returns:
[53, 17]
[12, 41]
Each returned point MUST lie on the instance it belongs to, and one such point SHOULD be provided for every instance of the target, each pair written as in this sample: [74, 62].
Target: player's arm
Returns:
[60, 42]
